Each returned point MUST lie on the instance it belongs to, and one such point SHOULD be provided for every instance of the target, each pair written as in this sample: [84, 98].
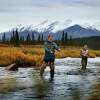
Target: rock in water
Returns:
[12, 67]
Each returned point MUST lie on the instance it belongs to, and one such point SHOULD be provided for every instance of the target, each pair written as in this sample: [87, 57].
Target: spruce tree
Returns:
[71, 42]
[21, 39]
[66, 38]
[16, 38]
[42, 38]
[28, 39]
[39, 38]
[33, 38]
[63, 38]
[12, 38]
[4, 38]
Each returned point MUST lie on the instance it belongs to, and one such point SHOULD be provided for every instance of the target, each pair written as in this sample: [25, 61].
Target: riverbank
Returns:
[32, 56]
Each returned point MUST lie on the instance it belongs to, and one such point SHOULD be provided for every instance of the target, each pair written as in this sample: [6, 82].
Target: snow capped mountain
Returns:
[55, 27]
[61, 26]
[92, 26]
[88, 26]
[77, 31]
[45, 26]
[52, 26]
[22, 28]
[97, 25]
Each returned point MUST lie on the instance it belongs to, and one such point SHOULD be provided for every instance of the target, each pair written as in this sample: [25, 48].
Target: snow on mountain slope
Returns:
[55, 27]
[77, 31]
[92, 26]
[97, 25]
[45, 26]
[51, 26]
[22, 28]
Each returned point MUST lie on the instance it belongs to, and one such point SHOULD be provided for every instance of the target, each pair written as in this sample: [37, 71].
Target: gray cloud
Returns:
[14, 12]
[68, 3]
[14, 5]
[92, 3]
[19, 5]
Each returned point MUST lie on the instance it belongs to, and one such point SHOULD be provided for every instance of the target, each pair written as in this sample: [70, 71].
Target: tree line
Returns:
[17, 39]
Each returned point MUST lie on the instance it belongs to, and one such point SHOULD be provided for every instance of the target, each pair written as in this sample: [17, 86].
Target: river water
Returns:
[69, 83]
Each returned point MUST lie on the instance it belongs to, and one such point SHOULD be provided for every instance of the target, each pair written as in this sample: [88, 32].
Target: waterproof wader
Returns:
[51, 64]
[49, 57]
[84, 62]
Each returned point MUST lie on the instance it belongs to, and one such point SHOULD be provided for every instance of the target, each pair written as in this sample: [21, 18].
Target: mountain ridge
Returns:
[55, 28]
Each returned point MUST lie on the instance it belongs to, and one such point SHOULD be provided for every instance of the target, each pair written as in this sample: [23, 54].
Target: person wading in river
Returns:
[49, 57]
[84, 55]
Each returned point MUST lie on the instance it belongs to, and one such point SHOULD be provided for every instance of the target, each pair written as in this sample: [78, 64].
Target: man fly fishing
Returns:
[84, 55]
[49, 57]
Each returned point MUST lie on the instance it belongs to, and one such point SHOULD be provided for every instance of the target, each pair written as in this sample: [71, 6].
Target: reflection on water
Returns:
[7, 83]
[76, 94]
[96, 92]
[70, 83]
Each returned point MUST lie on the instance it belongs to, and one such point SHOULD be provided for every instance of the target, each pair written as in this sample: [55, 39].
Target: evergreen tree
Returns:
[39, 38]
[12, 38]
[63, 38]
[21, 39]
[66, 38]
[71, 42]
[16, 38]
[33, 38]
[4, 38]
[42, 38]
[28, 39]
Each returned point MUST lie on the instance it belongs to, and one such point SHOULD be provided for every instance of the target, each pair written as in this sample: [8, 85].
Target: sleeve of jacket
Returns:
[56, 46]
[46, 47]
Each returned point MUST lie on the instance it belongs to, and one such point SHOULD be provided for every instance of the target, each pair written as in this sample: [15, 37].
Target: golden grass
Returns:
[34, 56]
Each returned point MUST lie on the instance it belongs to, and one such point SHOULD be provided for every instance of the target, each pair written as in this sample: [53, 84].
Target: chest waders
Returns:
[84, 62]
[49, 59]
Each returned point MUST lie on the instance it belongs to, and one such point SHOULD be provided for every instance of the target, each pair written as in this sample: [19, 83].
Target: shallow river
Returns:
[70, 82]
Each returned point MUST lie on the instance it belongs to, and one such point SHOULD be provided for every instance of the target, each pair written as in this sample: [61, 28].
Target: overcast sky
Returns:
[25, 12]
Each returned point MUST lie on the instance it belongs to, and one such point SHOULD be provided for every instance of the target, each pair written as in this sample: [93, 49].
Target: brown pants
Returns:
[52, 68]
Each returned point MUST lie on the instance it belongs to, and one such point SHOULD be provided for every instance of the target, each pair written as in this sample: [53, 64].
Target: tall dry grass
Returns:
[33, 56]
